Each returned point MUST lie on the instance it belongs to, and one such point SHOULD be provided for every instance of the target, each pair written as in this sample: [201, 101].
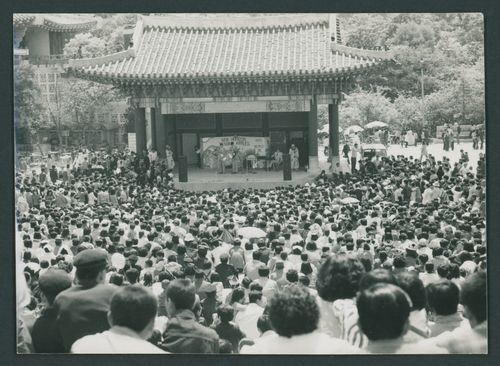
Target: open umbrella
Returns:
[376, 124]
[353, 129]
[251, 232]
[349, 200]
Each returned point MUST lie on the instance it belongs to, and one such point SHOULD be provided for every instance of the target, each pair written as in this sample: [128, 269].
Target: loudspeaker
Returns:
[287, 167]
[183, 169]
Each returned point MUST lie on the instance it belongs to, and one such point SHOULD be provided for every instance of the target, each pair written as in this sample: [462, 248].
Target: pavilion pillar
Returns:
[313, 137]
[160, 135]
[333, 133]
[140, 130]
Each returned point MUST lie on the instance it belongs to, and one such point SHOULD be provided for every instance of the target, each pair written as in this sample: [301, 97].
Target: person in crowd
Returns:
[442, 302]
[131, 318]
[418, 328]
[384, 311]
[82, 309]
[472, 338]
[160, 234]
[246, 319]
[356, 149]
[226, 328]
[183, 333]
[45, 335]
[294, 316]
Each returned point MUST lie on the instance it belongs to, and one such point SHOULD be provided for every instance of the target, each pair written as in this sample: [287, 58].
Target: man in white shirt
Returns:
[247, 319]
[269, 287]
[132, 317]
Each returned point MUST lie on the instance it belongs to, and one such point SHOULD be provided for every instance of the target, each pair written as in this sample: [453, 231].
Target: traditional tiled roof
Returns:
[23, 20]
[172, 48]
[55, 22]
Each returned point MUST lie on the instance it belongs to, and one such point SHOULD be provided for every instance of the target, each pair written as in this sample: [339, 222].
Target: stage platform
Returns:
[209, 180]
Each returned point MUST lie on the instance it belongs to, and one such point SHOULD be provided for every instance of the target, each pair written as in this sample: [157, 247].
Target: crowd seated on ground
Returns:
[390, 259]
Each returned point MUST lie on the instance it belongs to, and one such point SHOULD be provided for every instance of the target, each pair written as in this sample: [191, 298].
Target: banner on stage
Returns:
[245, 146]
[132, 146]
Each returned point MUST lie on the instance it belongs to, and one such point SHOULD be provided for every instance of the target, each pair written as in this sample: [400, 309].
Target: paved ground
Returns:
[434, 149]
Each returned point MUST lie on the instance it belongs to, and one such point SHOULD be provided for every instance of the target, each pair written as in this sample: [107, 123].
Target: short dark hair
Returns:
[338, 278]
[383, 311]
[473, 295]
[132, 275]
[414, 287]
[225, 313]
[116, 279]
[293, 311]
[263, 271]
[443, 297]
[292, 276]
[133, 307]
[379, 275]
[254, 296]
[182, 293]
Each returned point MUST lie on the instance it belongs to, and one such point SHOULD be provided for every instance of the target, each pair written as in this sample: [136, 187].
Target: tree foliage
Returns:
[29, 106]
[442, 51]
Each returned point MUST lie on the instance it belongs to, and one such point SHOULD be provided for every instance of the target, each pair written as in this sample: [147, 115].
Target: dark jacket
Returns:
[185, 335]
[230, 332]
[45, 334]
[82, 310]
[225, 271]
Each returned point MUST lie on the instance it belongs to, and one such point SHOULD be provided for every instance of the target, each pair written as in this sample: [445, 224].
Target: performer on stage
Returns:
[277, 159]
[235, 157]
[294, 157]
[221, 158]
[169, 157]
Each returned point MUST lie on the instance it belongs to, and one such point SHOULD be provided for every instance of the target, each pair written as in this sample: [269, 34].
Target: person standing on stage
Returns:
[294, 157]
[221, 156]
[235, 157]
[169, 156]
[197, 151]
[277, 159]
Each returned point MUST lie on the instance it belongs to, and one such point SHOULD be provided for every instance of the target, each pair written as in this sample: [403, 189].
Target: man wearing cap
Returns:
[45, 335]
[82, 309]
[132, 317]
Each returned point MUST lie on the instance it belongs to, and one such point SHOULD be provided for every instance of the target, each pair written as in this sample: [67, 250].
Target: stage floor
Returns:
[209, 180]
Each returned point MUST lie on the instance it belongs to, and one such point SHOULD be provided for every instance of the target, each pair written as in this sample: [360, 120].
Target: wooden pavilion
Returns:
[225, 75]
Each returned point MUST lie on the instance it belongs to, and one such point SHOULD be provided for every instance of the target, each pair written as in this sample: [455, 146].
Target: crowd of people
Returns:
[113, 259]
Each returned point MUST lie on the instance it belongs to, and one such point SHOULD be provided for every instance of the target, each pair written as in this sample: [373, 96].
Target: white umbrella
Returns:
[251, 232]
[349, 200]
[353, 129]
[376, 124]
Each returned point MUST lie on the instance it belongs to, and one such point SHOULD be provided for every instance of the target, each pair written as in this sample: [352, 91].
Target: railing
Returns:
[48, 59]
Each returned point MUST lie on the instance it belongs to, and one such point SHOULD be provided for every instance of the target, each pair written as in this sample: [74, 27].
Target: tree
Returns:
[361, 107]
[29, 107]
[91, 46]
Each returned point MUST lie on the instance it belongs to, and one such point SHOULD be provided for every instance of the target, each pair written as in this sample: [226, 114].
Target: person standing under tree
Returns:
[294, 157]
[423, 150]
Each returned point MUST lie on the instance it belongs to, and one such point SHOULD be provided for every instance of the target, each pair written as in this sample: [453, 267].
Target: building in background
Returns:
[39, 39]
[192, 77]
